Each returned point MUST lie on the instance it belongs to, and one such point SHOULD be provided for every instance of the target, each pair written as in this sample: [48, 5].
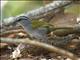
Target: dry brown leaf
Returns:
[64, 20]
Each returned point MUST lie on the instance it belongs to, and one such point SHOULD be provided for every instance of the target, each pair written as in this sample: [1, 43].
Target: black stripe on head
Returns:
[22, 18]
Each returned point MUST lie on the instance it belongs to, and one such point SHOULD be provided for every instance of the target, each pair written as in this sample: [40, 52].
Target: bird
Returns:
[39, 33]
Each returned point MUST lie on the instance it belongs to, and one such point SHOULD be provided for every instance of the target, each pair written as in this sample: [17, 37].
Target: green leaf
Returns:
[75, 9]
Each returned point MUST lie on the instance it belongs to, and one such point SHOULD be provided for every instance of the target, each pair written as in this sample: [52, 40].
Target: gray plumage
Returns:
[39, 33]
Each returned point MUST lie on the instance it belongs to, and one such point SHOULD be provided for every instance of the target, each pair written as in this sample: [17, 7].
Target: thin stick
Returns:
[12, 31]
[40, 44]
[56, 30]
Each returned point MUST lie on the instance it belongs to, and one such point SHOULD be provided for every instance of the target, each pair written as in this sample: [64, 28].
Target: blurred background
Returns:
[16, 7]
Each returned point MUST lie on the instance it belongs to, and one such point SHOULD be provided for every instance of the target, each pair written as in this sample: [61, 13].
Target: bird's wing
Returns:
[39, 33]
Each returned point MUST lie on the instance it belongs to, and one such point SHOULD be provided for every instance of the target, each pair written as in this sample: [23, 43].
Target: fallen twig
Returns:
[11, 32]
[40, 44]
[56, 30]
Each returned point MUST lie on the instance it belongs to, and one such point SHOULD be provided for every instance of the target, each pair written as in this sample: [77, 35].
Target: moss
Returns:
[74, 8]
